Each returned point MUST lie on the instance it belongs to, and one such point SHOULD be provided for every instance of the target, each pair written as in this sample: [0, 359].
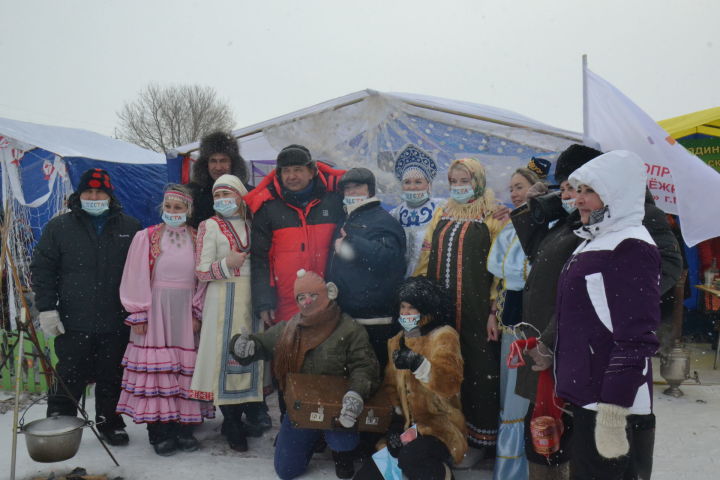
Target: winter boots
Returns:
[344, 466]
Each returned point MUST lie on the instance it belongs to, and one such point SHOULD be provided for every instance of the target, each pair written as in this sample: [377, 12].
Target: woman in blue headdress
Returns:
[415, 170]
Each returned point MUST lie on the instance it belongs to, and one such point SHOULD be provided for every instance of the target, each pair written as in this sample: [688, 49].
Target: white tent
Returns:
[368, 128]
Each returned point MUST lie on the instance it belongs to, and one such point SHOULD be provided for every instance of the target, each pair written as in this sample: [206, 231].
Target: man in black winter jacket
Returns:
[76, 270]
[368, 261]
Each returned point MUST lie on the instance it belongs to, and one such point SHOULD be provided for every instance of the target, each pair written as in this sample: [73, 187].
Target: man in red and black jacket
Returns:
[295, 211]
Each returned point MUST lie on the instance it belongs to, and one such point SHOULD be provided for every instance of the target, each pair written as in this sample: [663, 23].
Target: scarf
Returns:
[301, 335]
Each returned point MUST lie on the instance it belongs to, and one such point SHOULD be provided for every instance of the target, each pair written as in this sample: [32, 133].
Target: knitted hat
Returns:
[231, 183]
[219, 142]
[95, 178]
[540, 166]
[314, 284]
[359, 175]
[294, 155]
[413, 161]
[574, 157]
[427, 297]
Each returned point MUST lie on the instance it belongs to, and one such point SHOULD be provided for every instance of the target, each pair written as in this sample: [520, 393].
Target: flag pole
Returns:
[585, 99]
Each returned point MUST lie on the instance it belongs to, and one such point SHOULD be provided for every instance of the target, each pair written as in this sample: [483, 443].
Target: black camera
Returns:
[546, 208]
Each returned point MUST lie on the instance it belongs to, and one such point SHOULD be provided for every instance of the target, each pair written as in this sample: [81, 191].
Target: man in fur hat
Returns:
[76, 269]
[219, 154]
[318, 340]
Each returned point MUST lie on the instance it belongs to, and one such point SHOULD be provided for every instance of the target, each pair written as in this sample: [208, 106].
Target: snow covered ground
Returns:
[687, 444]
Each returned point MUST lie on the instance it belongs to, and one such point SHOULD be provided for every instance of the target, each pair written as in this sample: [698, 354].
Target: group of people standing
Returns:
[308, 273]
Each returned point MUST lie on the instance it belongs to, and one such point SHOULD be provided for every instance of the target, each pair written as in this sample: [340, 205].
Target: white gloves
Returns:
[352, 406]
[50, 323]
[242, 346]
[610, 436]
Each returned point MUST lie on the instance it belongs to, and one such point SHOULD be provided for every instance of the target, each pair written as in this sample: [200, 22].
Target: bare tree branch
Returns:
[165, 117]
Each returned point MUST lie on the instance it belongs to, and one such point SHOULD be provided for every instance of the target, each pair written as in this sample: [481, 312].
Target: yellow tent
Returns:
[704, 122]
[699, 132]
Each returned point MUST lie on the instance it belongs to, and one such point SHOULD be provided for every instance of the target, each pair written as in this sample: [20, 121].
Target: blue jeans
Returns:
[295, 447]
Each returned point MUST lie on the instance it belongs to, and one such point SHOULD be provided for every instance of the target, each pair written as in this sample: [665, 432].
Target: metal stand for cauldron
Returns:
[25, 323]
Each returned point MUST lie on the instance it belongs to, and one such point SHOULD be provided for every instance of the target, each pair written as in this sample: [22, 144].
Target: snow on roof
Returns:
[74, 142]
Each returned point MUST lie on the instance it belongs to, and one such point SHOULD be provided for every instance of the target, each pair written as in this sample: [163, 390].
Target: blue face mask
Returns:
[409, 322]
[225, 206]
[462, 194]
[349, 201]
[415, 198]
[95, 207]
[174, 219]
[568, 205]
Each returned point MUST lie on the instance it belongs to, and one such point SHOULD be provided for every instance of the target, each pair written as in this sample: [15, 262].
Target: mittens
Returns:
[610, 435]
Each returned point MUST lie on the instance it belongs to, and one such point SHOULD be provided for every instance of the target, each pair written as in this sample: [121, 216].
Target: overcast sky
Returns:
[74, 62]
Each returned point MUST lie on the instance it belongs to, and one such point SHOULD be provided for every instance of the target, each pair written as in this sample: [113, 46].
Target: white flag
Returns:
[680, 182]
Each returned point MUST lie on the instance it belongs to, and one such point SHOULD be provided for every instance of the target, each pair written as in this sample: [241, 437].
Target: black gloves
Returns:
[397, 426]
[406, 359]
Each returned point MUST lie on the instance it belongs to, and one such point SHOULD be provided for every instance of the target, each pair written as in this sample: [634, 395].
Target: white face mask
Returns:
[174, 219]
[409, 322]
[225, 206]
[462, 194]
[415, 198]
[568, 205]
[95, 207]
[350, 201]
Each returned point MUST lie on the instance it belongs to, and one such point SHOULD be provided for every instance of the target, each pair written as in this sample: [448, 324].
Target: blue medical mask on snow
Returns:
[409, 322]
[568, 205]
[225, 206]
[350, 201]
[95, 207]
[174, 219]
[462, 194]
[415, 198]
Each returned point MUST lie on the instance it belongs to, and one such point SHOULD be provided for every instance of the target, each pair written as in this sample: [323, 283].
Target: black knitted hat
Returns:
[574, 157]
[95, 178]
[294, 155]
[428, 298]
[358, 175]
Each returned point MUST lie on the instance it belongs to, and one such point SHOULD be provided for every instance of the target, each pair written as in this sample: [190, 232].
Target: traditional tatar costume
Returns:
[160, 290]
[415, 214]
[454, 255]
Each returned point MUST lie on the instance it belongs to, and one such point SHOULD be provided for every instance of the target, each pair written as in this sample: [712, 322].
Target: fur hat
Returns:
[574, 157]
[218, 142]
[294, 155]
[358, 175]
[429, 298]
[95, 178]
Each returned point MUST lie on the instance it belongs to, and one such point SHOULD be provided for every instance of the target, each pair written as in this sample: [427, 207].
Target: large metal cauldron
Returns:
[55, 438]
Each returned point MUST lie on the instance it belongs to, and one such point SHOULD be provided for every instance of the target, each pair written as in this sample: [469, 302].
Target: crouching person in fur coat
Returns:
[318, 340]
[422, 379]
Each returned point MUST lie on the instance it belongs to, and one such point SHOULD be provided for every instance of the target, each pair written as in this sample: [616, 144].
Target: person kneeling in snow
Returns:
[319, 340]
[422, 379]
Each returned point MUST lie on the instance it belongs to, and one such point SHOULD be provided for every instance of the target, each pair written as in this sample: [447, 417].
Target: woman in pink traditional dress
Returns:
[161, 292]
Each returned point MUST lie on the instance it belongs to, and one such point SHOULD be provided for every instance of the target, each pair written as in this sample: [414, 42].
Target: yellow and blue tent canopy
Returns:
[702, 124]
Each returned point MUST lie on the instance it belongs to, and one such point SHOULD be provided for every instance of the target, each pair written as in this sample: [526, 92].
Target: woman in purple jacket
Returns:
[607, 313]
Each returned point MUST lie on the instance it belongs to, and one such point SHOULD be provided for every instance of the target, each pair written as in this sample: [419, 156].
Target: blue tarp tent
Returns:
[42, 164]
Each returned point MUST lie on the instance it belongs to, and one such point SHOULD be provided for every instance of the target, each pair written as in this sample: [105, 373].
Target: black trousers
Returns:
[84, 358]
[586, 463]
[422, 459]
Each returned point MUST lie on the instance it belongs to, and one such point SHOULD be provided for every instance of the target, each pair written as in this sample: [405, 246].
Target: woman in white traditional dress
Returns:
[415, 170]
[223, 245]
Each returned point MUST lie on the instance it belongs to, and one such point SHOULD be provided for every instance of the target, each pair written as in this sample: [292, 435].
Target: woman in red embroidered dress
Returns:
[160, 291]
[222, 262]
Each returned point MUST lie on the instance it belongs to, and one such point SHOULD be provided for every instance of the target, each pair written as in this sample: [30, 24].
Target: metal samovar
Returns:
[675, 369]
